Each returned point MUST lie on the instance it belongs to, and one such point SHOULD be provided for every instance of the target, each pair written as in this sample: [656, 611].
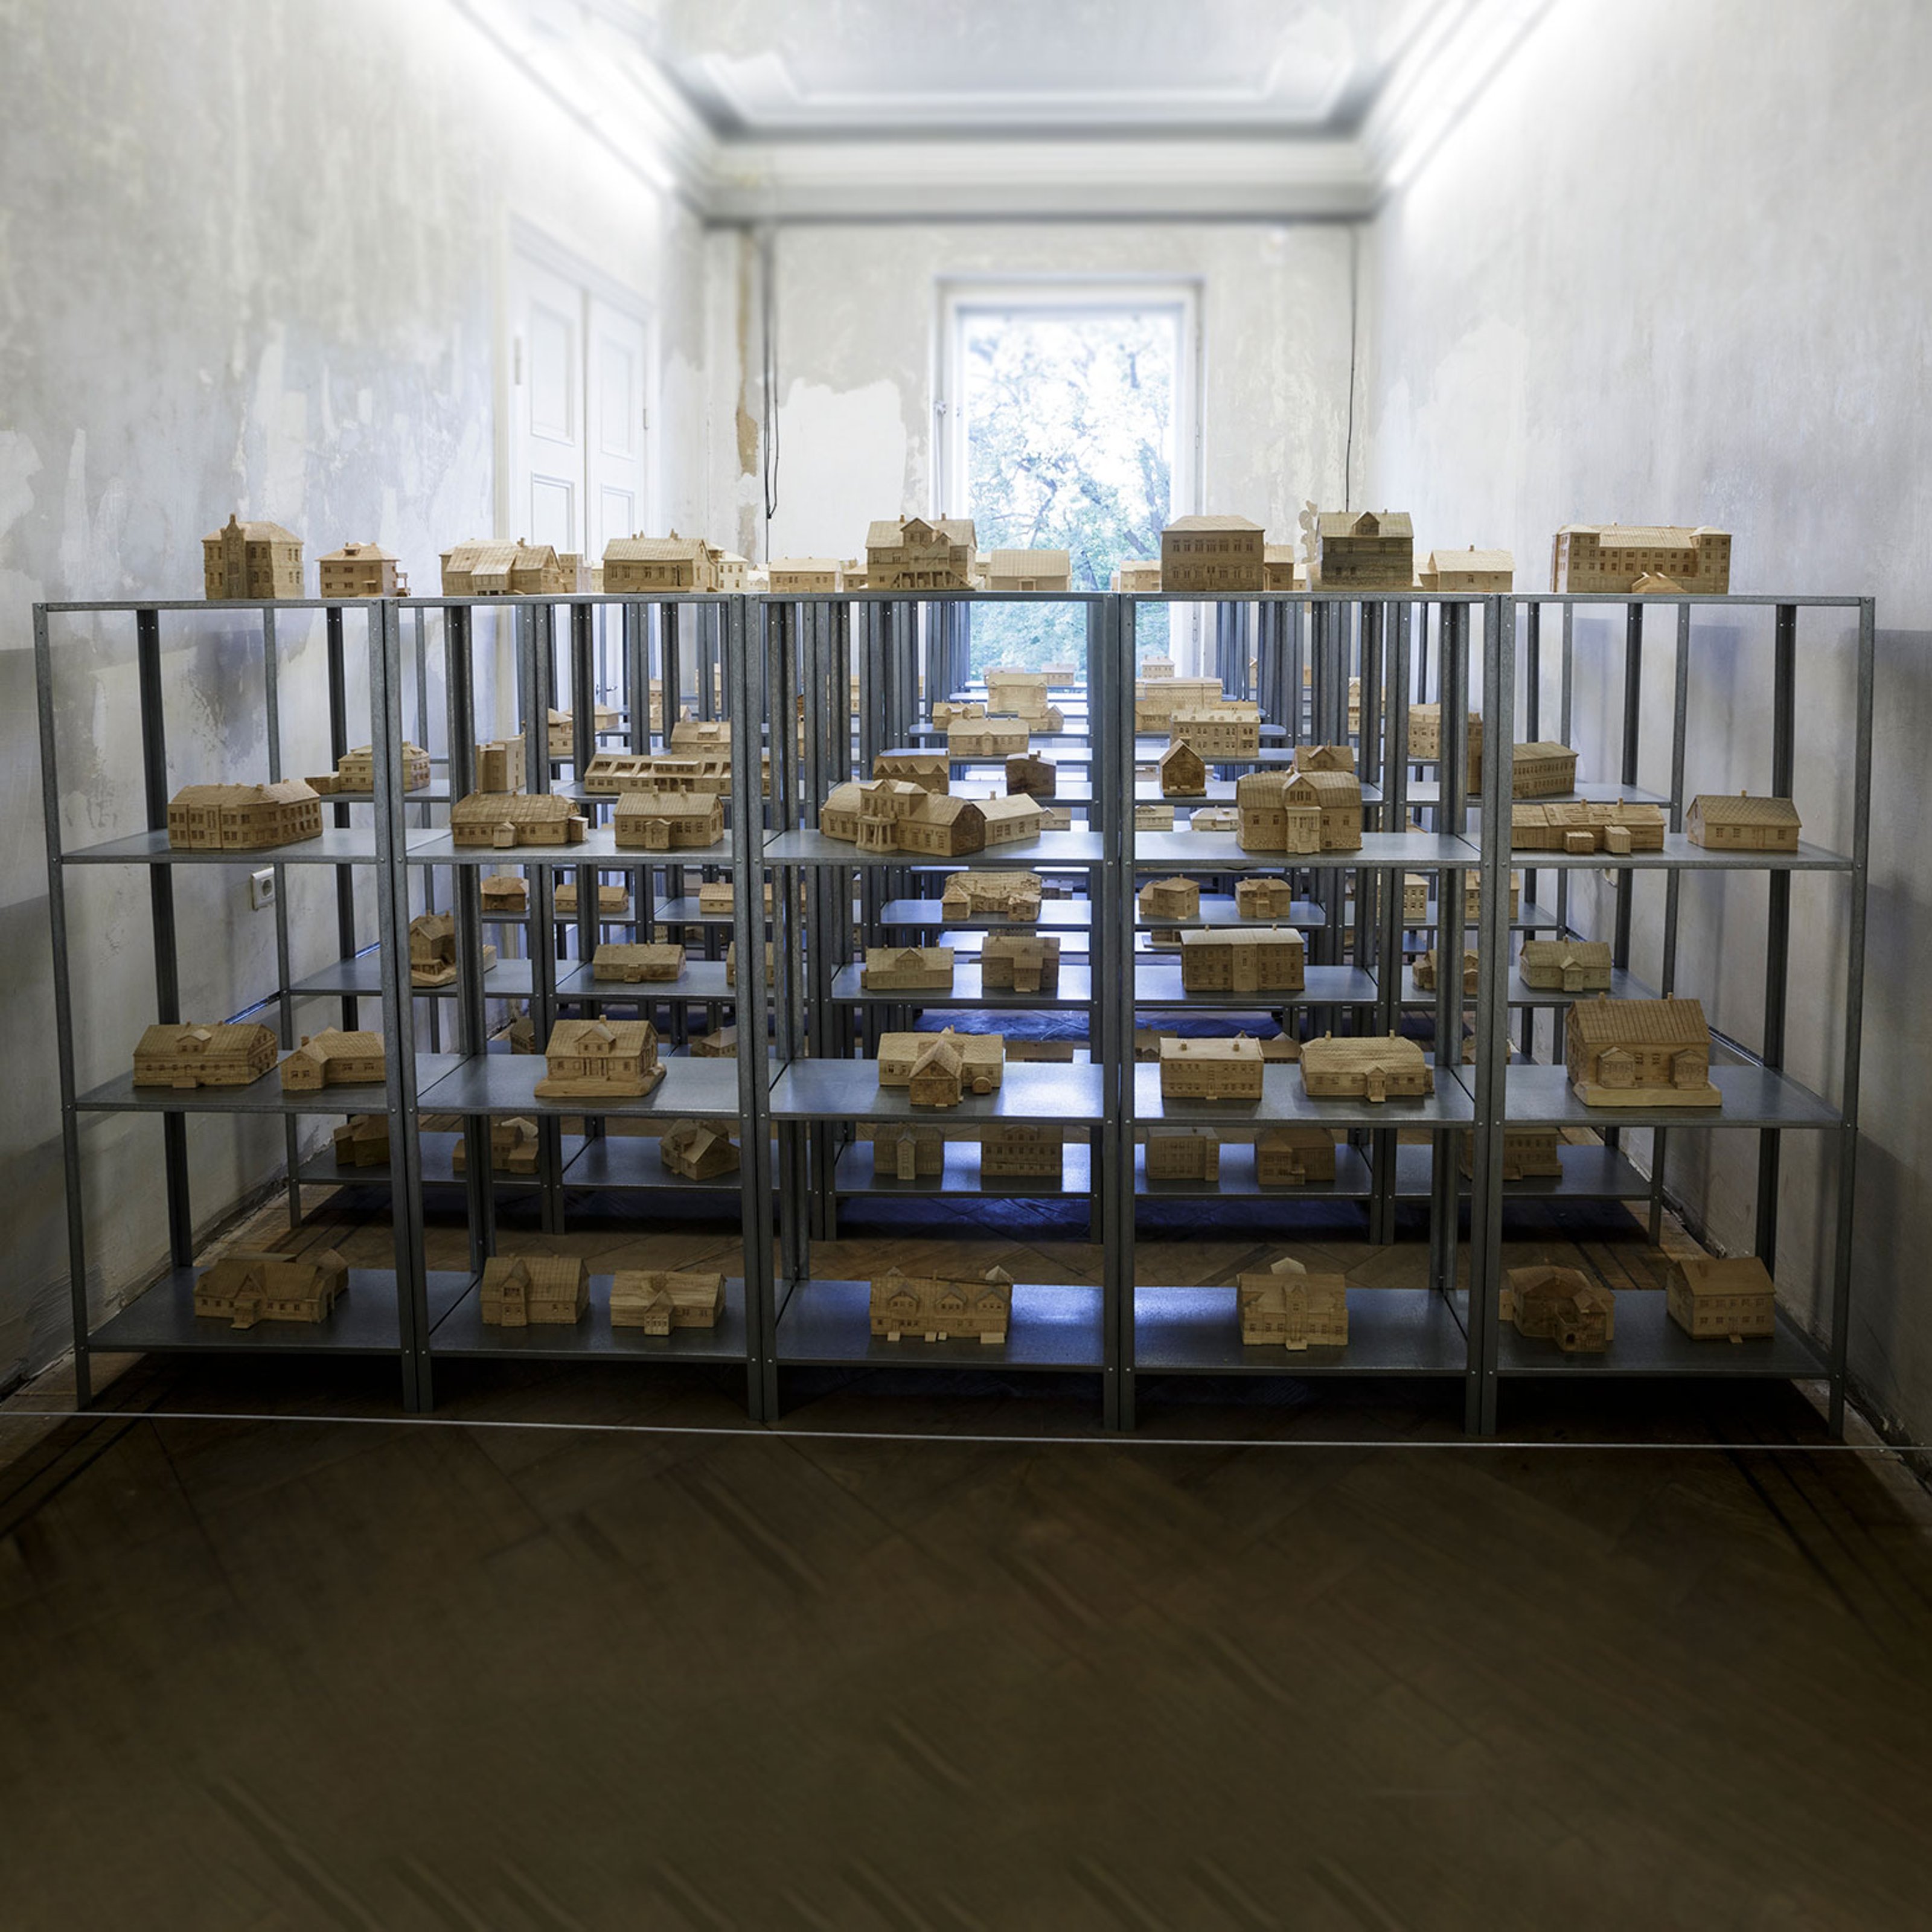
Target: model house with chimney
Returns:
[1242, 959]
[1210, 1069]
[1174, 898]
[505, 820]
[1299, 812]
[614, 902]
[1721, 823]
[1289, 1308]
[193, 1053]
[1639, 1053]
[910, 969]
[656, 1300]
[931, 771]
[1577, 827]
[1020, 962]
[433, 950]
[886, 815]
[243, 817]
[361, 570]
[356, 771]
[939, 1070]
[1365, 1066]
[257, 561]
[1565, 965]
[1015, 693]
[1613, 558]
[1030, 776]
[641, 565]
[1014, 819]
[513, 1146]
[939, 1309]
[534, 1291]
[504, 895]
[987, 738]
[242, 1289]
[1213, 555]
[506, 567]
[600, 1059]
[1470, 572]
[1291, 1155]
[920, 553]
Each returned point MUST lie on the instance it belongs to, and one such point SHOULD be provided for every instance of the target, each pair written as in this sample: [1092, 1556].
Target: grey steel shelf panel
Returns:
[462, 1331]
[857, 1172]
[685, 912]
[360, 978]
[1051, 1327]
[1218, 852]
[599, 848]
[1529, 917]
[701, 979]
[1679, 855]
[506, 1083]
[1754, 1097]
[1352, 1182]
[1648, 1342]
[1392, 1331]
[1218, 909]
[339, 845]
[1032, 1092]
[1429, 792]
[1050, 848]
[426, 795]
[1053, 913]
[1590, 1173]
[1075, 989]
[1283, 1098]
[363, 1321]
[439, 1167]
[619, 1161]
[1157, 983]
[264, 1096]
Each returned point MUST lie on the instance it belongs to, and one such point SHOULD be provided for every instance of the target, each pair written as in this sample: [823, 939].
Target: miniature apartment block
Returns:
[433, 950]
[667, 821]
[600, 1059]
[1210, 1069]
[1577, 827]
[243, 1289]
[356, 771]
[1291, 1155]
[1264, 899]
[513, 1146]
[901, 1152]
[1719, 822]
[1639, 1053]
[1183, 772]
[1289, 1308]
[1364, 1067]
[1153, 818]
[1030, 776]
[361, 570]
[334, 1058]
[1232, 729]
[1714, 1300]
[613, 901]
[804, 576]
[1425, 971]
[505, 820]
[1011, 1152]
[1299, 812]
[506, 567]
[938, 1309]
[920, 553]
[1029, 570]
[697, 1150]
[533, 1291]
[929, 770]
[361, 1141]
[1188, 1155]
[633, 962]
[939, 1070]
[1240, 959]
[1176, 897]
[641, 564]
[1010, 896]
[1364, 550]
[986, 737]
[1282, 570]
[213, 1054]
[1613, 558]
[253, 560]
[657, 1300]
[505, 892]
[1139, 577]
[912, 969]
[1566, 965]
[243, 817]
[1020, 962]
[1214, 556]
[1561, 1305]
[1529, 1153]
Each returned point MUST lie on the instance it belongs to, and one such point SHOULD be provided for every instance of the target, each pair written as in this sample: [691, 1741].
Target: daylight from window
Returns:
[1069, 417]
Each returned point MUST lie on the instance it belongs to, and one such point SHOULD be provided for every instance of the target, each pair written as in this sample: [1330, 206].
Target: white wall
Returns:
[1674, 268]
[249, 258]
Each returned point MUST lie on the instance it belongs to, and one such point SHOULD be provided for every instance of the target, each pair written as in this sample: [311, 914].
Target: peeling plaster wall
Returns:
[1672, 267]
[248, 258]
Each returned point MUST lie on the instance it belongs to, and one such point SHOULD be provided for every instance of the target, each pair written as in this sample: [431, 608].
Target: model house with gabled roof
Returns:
[1182, 1156]
[902, 1152]
[190, 1053]
[504, 892]
[356, 771]
[433, 950]
[506, 567]
[1183, 772]
[1470, 572]
[1210, 1069]
[1029, 775]
[920, 553]
[1578, 827]
[243, 817]
[1153, 818]
[1561, 1305]
[1299, 812]
[691, 736]
[361, 1141]
[1425, 738]
[987, 737]
[1241, 959]
[361, 570]
[1012, 1150]
[1325, 757]
[1291, 1155]
[1013, 691]
[1050, 570]
[1282, 569]
[1720, 823]
[731, 963]
[1232, 729]
[1009, 895]
[513, 1146]
[946, 711]
[1612, 558]
[640, 565]
[258, 562]
[1157, 699]
[1363, 550]
[1214, 818]
[1425, 971]
[659, 1300]
[1714, 1301]
[1364, 1066]
[1264, 899]
[1529, 1153]
[1020, 962]
[1639, 1053]
[1174, 898]
[600, 1059]
[939, 1069]
[635, 962]
[533, 1291]
[242, 1289]
[1539, 768]
[931, 771]
[939, 1309]
[698, 1149]
[614, 902]
[805, 576]
[334, 1058]
[613, 773]
[505, 820]
[1213, 555]
[911, 969]
[1138, 577]
[722, 1045]
[1566, 965]
[667, 821]
[1289, 1308]
[1013, 819]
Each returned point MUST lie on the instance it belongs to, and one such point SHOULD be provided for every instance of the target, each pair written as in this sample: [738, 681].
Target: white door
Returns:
[614, 496]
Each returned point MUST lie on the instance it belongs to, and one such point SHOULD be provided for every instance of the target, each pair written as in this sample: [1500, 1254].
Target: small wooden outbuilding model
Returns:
[513, 1146]
[1720, 823]
[722, 1045]
[529, 1291]
[1282, 569]
[242, 1289]
[613, 902]
[1011, 1151]
[1718, 1300]
[1176, 897]
[243, 817]
[1289, 1308]
[938, 1309]
[505, 892]
[600, 1059]
[1183, 1155]
[632, 963]
[911, 968]
[1183, 773]
[1425, 971]
[509, 819]
[1264, 899]
[361, 570]
[1470, 570]
[1211, 554]
[190, 1054]
[1639, 1053]
[361, 1141]
[1031, 776]
[254, 561]
[1013, 896]
[1020, 962]
[1561, 1305]
[1210, 1069]
[1366, 1067]
[939, 1070]
[657, 1300]
[715, 898]
[334, 1058]
[1566, 965]
[697, 1150]
[1291, 1155]
[1241, 959]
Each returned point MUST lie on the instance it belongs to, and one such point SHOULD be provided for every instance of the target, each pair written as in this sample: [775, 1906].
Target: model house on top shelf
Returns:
[1566, 965]
[1289, 1308]
[931, 771]
[356, 771]
[513, 1146]
[657, 1300]
[361, 570]
[1020, 962]
[243, 817]
[1299, 812]
[507, 819]
[252, 561]
[634, 963]
[1425, 971]
[1239, 959]
[1011, 1151]
[1210, 1069]
[1157, 667]
[1578, 828]
[190, 1054]
[1230, 729]
[1291, 1155]
[1138, 577]
[698, 1150]
[1029, 570]
[1028, 776]
[1561, 1305]
[1611, 558]
[1720, 823]
[1282, 569]
[940, 1069]
[939, 1309]
[600, 1059]
[1639, 1053]
[334, 1058]
[1176, 897]
[640, 565]
[805, 577]
[907, 968]
[1214, 556]
[433, 950]
[1012, 895]
[1470, 570]
[986, 737]
[1722, 1300]
[506, 567]
[1364, 1067]
[1264, 899]
[1183, 774]
[1366, 551]
[529, 1291]
[920, 553]
[243, 1289]
[667, 821]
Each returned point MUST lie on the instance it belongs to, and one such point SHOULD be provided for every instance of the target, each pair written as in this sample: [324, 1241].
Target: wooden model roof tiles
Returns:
[1607, 1022]
[227, 1053]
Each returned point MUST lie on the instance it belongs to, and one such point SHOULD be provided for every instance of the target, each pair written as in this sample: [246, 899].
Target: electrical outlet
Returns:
[262, 889]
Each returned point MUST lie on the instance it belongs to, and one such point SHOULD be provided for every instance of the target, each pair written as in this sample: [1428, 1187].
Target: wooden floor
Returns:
[585, 1650]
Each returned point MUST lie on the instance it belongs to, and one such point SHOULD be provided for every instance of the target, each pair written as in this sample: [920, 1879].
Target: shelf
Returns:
[702, 979]
[1754, 1097]
[1284, 1099]
[620, 1161]
[685, 912]
[1392, 1331]
[1050, 848]
[1075, 988]
[505, 1083]
[438, 1169]
[1157, 983]
[1623, 986]
[1529, 917]
[1219, 852]
[1680, 855]
[1054, 914]
[363, 1321]
[339, 845]
[1031, 1092]
[598, 848]
[1220, 909]
[264, 1096]
[1420, 792]
[462, 1331]
[1590, 1173]
[1352, 1182]
[1649, 1343]
[1051, 1327]
[359, 979]
[856, 1172]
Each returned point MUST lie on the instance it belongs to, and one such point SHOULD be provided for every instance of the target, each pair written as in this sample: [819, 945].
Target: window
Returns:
[1067, 423]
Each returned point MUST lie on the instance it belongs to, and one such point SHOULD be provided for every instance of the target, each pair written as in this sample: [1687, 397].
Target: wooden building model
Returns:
[1566, 965]
[1013, 819]
[634, 961]
[657, 1300]
[1010, 896]
[1425, 971]
[334, 1058]
[1232, 729]
[1541, 767]
[1242, 959]
[715, 898]
[1010, 1150]
[1029, 570]
[1477, 571]
[946, 711]
[356, 771]
[600, 1059]
[986, 737]
[731, 963]
[1153, 818]
[920, 553]
[534, 1291]
[361, 1141]
[257, 561]
[1363, 550]
[189, 1054]
[242, 1289]
[1299, 812]
[1214, 818]
[1264, 899]
[513, 1146]
[1613, 558]
[1425, 739]
[505, 892]
[499, 765]
[1720, 823]
[433, 950]
[361, 570]
[1325, 757]
[243, 817]
[1639, 1053]
[698, 1149]
[1213, 555]
[1291, 1155]
[667, 821]
[1011, 692]
[1561, 1305]
[1282, 569]
[1031, 776]
[1365, 1067]
[1210, 1069]
[804, 576]
[722, 1045]
[1183, 772]
[905, 1153]
[939, 1309]
[614, 902]
[1529, 1153]
[506, 567]
[1289, 1308]
[508, 819]
[1722, 1300]
[1020, 962]
[1190, 1156]
[643, 564]
[939, 1070]
[615, 772]
[889, 815]
[1578, 827]
[1139, 577]
[931, 771]
[1175, 897]
[908, 968]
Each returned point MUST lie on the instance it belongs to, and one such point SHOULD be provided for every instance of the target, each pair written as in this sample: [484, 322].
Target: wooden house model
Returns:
[506, 567]
[242, 1289]
[1576, 826]
[499, 765]
[1013, 692]
[1188, 1156]
[334, 1058]
[903, 1152]
[1175, 897]
[1720, 823]
[1242, 959]
[1561, 1305]
[356, 771]
[920, 553]
[533, 1290]
[1471, 571]
[243, 817]
[1282, 569]
[1057, 1052]
[1138, 577]
[939, 1070]
[505, 892]
[1639, 1053]
[433, 950]
[1529, 1153]
[361, 1141]
[1264, 899]
[1566, 965]
[1232, 729]
[1213, 555]
[907, 968]
[698, 1149]
[1363, 550]
[508, 819]
[667, 821]
[1020, 962]
[1415, 899]
[614, 902]
[659, 1300]
[939, 1309]
[946, 711]
[1156, 700]
[599, 1059]
[615, 772]
[1210, 1069]
[257, 561]
[361, 570]
[513, 1146]
[1364, 1066]
[639, 564]
[1425, 738]
[1031, 776]
[931, 771]
[1280, 810]
[715, 898]
[1156, 667]
[634, 961]
[722, 1045]
[1010, 895]
[804, 576]
[1153, 818]
[1425, 971]
[1010, 1150]
[187, 1054]
[1613, 558]
[1325, 757]
[731, 963]
[1541, 767]
[1722, 1300]
[1291, 1155]
[1214, 818]
[1029, 570]
[692, 735]
[1289, 1308]
[986, 737]
[1183, 772]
